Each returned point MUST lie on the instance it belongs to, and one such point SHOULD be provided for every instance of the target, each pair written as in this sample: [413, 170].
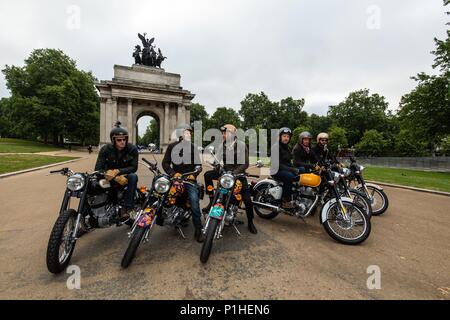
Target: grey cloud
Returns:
[317, 50]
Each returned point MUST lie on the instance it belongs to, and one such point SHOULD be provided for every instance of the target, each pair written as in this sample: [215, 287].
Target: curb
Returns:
[10, 174]
[442, 193]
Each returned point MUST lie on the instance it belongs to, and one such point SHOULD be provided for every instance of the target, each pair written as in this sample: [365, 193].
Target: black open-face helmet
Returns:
[117, 132]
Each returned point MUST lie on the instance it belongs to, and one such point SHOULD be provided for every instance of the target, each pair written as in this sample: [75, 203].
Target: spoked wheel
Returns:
[262, 195]
[353, 230]
[362, 201]
[378, 200]
[207, 244]
[61, 244]
[136, 240]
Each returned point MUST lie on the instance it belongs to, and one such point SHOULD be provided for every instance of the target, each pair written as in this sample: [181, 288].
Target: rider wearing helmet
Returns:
[281, 167]
[230, 152]
[182, 157]
[119, 161]
[304, 157]
[321, 149]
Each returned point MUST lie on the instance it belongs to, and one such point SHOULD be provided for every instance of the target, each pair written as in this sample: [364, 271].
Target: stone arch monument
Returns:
[142, 90]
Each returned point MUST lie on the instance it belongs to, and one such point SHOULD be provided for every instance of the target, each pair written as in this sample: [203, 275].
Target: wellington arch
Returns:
[142, 90]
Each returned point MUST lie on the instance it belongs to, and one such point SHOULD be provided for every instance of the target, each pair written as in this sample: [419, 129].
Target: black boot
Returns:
[198, 234]
[251, 227]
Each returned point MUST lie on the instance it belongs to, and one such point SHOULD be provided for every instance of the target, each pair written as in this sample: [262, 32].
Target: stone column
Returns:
[188, 115]
[103, 134]
[166, 132]
[114, 110]
[130, 125]
[180, 115]
[108, 118]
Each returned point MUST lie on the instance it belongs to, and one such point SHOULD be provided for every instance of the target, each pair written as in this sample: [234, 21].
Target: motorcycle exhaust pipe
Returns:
[270, 206]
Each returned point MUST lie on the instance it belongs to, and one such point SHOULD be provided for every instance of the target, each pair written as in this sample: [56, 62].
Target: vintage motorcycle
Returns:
[166, 200]
[358, 197]
[376, 195]
[343, 220]
[224, 207]
[99, 207]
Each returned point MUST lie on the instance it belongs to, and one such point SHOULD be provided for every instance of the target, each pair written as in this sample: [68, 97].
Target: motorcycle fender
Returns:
[370, 185]
[266, 181]
[323, 215]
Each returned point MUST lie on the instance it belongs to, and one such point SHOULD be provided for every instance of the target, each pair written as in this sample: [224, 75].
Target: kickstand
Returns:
[236, 229]
[302, 218]
[180, 232]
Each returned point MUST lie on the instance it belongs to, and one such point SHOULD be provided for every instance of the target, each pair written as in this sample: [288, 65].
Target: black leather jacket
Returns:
[172, 164]
[110, 158]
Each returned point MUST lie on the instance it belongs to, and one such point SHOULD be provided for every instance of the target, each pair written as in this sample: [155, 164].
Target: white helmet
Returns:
[322, 135]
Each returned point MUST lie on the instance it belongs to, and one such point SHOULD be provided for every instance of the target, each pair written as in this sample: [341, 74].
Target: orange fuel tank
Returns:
[310, 180]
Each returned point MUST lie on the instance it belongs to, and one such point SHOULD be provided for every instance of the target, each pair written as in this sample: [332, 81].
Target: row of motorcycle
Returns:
[344, 201]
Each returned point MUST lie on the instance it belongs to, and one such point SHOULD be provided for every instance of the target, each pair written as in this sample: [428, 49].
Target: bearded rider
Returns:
[119, 161]
[285, 171]
[230, 152]
[305, 159]
[176, 163]
[321, 149]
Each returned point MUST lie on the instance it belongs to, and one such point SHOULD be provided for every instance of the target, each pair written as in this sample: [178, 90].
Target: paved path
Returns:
[287, 259]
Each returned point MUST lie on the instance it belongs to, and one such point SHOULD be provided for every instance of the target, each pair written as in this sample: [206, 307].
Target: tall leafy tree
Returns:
[51, 98]
[224, 115]
[359, 112]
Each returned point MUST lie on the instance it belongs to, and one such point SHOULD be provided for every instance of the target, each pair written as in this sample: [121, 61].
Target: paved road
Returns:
[287, 259]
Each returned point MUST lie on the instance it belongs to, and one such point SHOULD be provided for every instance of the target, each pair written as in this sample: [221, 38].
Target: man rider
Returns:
[119, 161]
[230, 148]
[284, 171]
[176, 163]
[321, 149]
[304, 157]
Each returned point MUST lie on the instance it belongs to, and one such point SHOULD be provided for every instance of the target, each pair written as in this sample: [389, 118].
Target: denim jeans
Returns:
[287, 178]
[194, 201]
[131, 190]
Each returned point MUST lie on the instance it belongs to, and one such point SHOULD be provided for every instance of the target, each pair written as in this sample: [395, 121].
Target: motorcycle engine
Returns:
[303, 203]
[175, 215]
[102, 217]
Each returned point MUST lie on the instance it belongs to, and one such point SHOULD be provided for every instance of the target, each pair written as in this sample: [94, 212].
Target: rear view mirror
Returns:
[259, 164]
[211, 149]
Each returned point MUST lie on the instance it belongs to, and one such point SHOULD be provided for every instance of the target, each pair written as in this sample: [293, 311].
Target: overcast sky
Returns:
[318, 50]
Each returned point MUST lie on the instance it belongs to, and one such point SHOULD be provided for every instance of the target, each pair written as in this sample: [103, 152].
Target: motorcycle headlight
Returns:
[347, 172]
[227, 181]
[75, 182]
[162, 185]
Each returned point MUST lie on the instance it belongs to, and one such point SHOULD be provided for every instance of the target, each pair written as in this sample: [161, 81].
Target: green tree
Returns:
[371, 144]
[337, 138]
[51, 98]
[224, 115]
[151, 135]
[319, 124]
[198, 113]
[407, 144]
[359, 112]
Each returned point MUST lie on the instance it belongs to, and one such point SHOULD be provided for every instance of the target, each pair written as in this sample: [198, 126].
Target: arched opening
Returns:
[148, 130]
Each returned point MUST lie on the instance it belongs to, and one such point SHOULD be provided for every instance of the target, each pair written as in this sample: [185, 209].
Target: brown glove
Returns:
[177, 175]
[122, 180]
[191, 178]
[111, 174]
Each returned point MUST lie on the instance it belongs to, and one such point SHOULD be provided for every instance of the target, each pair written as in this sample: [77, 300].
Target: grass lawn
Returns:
[11, 163]
[421, 179]
[24, 146]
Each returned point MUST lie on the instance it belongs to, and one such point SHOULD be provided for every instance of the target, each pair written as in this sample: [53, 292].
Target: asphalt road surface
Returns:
[287, 259]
